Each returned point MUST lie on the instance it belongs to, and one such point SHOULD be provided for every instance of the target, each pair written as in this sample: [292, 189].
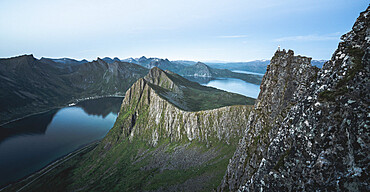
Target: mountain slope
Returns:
[309, 131]
[29, 85]
[156, 146]
[191, 96]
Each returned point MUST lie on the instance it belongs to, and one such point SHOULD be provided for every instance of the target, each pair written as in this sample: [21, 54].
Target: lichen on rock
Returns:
[309, 129]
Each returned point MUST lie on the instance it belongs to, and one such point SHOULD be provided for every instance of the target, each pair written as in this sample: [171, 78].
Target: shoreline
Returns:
[62, 106]
[51, 166]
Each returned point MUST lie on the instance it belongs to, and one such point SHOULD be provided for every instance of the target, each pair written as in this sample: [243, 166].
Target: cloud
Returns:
[231, 36]
[327, 37]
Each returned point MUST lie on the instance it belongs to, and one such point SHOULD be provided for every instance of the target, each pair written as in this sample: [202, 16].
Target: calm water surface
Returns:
[235, 86]
[248, 72]
[29, 144]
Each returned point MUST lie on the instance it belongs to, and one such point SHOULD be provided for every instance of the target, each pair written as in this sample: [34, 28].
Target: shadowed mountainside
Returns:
[29, 85]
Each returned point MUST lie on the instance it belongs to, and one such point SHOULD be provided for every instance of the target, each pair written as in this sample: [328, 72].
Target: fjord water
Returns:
[235, 86]
[248, 72]
[31, 143]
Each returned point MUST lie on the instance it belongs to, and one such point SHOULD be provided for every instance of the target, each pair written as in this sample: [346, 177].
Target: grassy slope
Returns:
[197, 97]
[121, 170]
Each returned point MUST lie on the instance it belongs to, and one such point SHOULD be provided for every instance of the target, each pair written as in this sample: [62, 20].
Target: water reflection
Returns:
[29, 144]
[35, 124]
[102, 106]
[200, 80]
[248, 72]
[235, 86]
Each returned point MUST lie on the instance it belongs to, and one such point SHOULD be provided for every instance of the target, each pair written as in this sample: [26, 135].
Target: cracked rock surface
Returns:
[309, 129]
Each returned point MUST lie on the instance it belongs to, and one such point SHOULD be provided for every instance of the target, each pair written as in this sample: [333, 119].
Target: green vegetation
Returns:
[129, 167]
[143, 152]
[195, 97]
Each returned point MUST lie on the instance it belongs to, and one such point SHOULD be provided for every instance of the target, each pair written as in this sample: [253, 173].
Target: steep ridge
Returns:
[157, 146]
[147, 111]
[309, 131]
[180, 150]
[191, 96]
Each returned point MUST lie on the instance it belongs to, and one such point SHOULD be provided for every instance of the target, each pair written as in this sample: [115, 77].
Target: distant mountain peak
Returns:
[142, 58]
[98, 60]
[24, 56]
[201, 64]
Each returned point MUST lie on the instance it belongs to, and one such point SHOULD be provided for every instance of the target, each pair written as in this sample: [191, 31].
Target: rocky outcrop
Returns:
[309, 131]
[147, 115]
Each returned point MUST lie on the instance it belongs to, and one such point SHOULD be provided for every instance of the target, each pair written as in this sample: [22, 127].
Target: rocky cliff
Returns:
[151, 112]
[309, 128]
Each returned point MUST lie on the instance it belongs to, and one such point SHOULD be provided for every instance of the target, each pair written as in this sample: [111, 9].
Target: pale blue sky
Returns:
[227, 30]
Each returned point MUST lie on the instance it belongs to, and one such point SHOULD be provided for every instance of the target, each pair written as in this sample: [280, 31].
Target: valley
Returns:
[151, 124]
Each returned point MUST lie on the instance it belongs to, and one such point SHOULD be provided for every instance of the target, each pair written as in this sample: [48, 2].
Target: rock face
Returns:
[309, 129]
[148, 114]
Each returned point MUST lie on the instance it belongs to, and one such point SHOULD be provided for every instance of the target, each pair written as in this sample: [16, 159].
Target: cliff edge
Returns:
[309, 130]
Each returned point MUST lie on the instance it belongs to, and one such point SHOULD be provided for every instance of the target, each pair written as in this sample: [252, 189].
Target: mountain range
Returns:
[307, 131]
[257, 66]
[33, 85]
[195, 71]
[30, 85]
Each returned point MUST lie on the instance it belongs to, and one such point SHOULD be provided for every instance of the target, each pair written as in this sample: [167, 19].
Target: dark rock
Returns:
[309, 131]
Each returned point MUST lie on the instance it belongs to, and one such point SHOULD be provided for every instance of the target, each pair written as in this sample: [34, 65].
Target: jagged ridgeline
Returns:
[309, 129]
[171, 135]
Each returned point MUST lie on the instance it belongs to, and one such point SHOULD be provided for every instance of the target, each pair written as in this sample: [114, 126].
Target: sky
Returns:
[199, 30]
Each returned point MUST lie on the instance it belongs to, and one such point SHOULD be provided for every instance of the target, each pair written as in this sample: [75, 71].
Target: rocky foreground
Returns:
[309, 129]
